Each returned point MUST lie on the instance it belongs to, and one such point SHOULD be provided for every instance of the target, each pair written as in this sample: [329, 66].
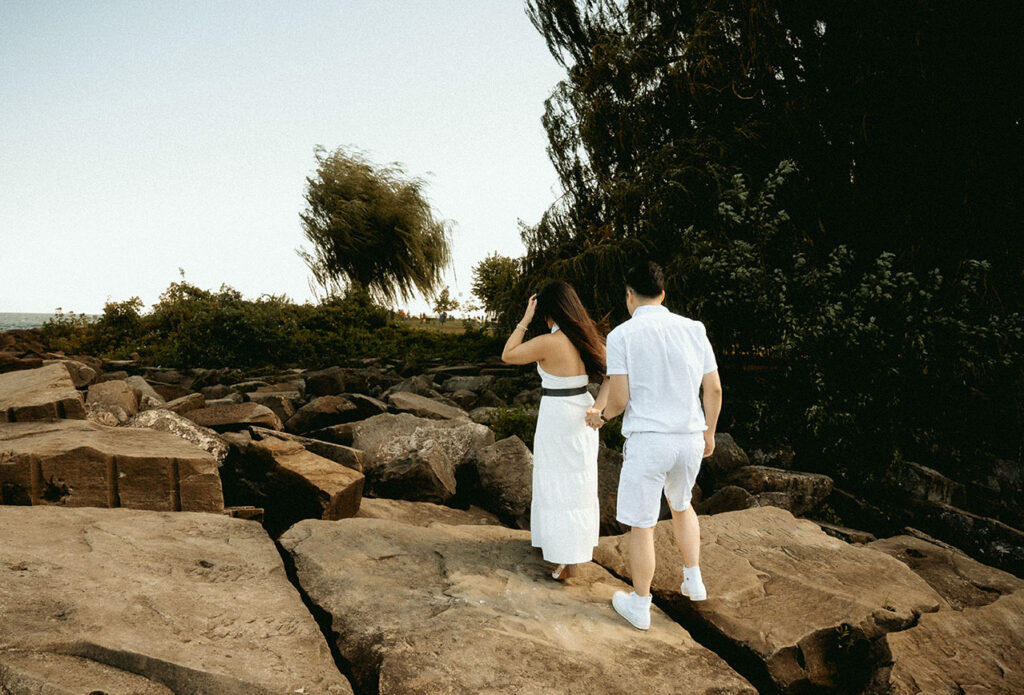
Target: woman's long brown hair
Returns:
[558, 301]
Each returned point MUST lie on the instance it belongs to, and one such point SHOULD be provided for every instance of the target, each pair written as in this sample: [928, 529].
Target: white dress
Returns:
[564, 515]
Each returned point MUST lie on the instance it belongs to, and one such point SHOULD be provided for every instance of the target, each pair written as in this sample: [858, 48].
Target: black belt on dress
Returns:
[579, 390]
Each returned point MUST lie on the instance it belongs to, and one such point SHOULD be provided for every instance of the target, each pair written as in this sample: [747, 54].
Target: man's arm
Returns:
[712, 386]
[612, 399]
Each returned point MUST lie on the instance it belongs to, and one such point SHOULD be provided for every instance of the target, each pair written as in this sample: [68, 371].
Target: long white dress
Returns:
[564, 515]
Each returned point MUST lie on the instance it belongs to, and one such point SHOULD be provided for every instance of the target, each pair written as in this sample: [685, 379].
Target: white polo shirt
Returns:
[665, 356]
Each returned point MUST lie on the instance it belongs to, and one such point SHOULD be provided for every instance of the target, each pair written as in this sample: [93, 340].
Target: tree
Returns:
[494, 281]
[371, 226]
[445, 302]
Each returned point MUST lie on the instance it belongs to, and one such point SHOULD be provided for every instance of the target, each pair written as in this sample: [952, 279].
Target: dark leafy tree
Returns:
[371, 226]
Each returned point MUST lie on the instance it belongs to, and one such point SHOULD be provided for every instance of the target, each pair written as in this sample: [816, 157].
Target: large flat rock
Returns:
[423, 513]
[44, 393]
[471, 609]
[125, 601]
[802, 609]
[77, 463]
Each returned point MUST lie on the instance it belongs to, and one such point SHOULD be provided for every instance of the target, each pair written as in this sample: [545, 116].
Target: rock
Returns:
[423, 513]
[977, 650]
[115, 397]
[505, 474]
[422, 406]
[726, 499]
[989, 540]
[482, 416]
[249, 385]
[192, 401]
[366, 406]
[416, 458]
[609, 465]
[226, 418]
[801, 609]
[445, 371]
[489, 399]
[39, 394]
[337, 434]
[421, 384]
[146, 396]
[81, 374]
[726, 458]
[463, 399]
[10, 363]
[926, 483]
[169, 421]
[345, 455]
[322, 412]
[476, 384]
[325, 382]
[170, 392]
[218, 391]
[298, 484]
[471, 609]
[116, 375]
[795, 491]
[126, 602]
[245, 512]
[76, 463]
[962, 581]
[295, 388]
[850, 535]
[528, 398]
[283, 404]
[228, 400]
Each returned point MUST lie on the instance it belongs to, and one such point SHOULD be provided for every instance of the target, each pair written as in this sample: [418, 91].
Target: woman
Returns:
[564, 513]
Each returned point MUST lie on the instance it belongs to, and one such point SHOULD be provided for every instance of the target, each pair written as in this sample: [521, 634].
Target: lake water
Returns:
[21, 320]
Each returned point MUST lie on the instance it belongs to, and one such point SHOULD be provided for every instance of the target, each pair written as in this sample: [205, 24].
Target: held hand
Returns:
[531, 308]
[709, 443]
[594, 419]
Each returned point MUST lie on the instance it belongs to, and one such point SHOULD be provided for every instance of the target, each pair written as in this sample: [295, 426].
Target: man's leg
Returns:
[641, 559]
[686, 530]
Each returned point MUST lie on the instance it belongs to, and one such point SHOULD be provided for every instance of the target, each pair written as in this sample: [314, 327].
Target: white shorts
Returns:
[652, 462]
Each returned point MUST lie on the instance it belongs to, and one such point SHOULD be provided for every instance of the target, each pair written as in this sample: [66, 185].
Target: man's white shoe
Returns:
[633, 608]
[693, 588]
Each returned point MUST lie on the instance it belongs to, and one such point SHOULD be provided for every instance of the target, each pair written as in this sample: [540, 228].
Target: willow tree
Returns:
[372, 226]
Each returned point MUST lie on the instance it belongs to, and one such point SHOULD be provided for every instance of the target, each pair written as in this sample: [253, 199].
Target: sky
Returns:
[140, 138]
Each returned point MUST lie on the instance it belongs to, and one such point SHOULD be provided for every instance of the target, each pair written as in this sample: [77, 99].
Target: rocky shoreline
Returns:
[358, 529]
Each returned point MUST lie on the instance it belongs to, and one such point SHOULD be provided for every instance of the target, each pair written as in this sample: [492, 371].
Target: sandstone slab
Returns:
[422, 406]
[795, 491]
[237, 416]
[43, 393]
[116, 397]
[128, 602]
[81, 374]
[191, 401]
[147, 396]
[322, 412]
[471, 609]
[803, 609]
[339, 453]
[424, 513]
[76, 463]
[167, 421]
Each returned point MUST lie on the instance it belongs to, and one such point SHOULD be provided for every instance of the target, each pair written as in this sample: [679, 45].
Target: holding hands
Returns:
[594, 418]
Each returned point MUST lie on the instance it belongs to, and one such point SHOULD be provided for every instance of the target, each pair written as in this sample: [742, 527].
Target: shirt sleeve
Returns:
[710, 364]
[615, 350]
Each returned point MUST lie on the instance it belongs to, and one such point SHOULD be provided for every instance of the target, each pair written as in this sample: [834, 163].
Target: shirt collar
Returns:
[649, 309]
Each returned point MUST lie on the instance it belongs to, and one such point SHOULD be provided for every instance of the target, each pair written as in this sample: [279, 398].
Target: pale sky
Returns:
[137, 138]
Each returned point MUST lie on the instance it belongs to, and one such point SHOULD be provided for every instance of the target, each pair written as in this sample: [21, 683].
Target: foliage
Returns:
[494, 281]
[515, 420]
[194, 327]
[445, 302]
[371, 226]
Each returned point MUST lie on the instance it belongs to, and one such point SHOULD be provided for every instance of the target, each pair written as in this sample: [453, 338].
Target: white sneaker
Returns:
[629, 607]
[693, 588]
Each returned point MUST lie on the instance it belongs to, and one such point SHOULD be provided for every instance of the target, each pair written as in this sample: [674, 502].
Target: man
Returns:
[657, 363]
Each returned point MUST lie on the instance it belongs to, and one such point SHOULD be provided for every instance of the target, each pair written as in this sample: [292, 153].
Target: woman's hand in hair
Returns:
[531, 309]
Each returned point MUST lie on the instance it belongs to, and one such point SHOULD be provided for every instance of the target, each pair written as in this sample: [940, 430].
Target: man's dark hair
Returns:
[646, 279]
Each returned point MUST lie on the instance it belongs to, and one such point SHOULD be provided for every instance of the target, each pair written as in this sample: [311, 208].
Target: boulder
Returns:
[977, 650]
[11, 363]
[482, 416]
[423, 513]
[794, 491]
[230, 399]
[845, 533]
[148, 398]
[421, 384]
[445, 371]
[116, 397]
[471, 609]
[113, 375]
[530, 397]
[249, 385]
[463, 398]
[345, 455]
[321, 412]
[282, 403]
[476, 384]
[421, 406]
[169, 421]
[296, 484]
[989, 540]
[609, 465]
[962, 581]
[489, 399]
[505, 474]
[802, 610]
[726, 458]
[218, 391]
[81, 374]
[76, 463]
[39, 394]
[126, 602]
[726, 499]
[192, 401]
[325, 382]
[366, 406]
[928, 484]
[237, 416]
[416, 458]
